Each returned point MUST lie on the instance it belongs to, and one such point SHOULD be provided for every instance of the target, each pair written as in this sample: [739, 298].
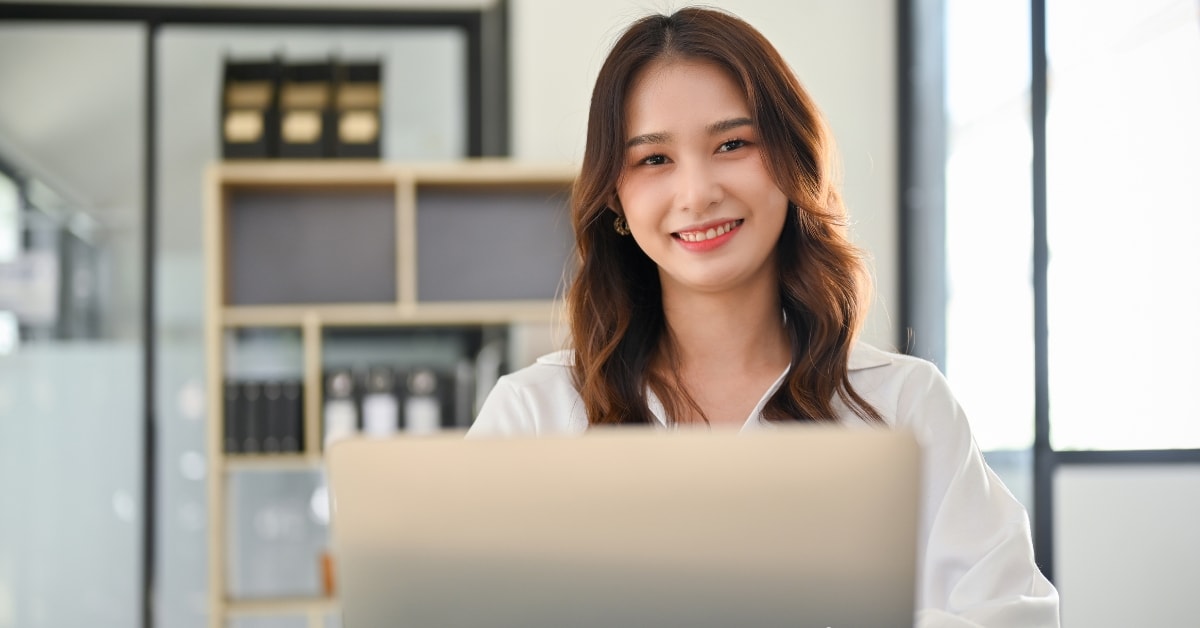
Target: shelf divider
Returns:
[274, 462]
[406, 239]
[281, 606]
[313, 384]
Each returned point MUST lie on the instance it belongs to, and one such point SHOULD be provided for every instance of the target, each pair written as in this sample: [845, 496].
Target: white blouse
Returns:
[976, 555]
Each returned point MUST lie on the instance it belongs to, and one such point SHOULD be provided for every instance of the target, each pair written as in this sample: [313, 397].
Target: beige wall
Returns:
[843, 53]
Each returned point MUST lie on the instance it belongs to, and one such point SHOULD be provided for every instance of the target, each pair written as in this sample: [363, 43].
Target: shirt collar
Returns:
[862, 356]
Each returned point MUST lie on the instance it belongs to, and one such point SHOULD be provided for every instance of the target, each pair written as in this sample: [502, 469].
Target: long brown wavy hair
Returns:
[615, 299]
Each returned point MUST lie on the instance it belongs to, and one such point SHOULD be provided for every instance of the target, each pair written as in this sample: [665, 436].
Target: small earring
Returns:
[621, 226]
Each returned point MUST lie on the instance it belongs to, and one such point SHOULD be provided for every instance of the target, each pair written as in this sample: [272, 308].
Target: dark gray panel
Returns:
[312, 247]
[922, 92]
[496, 243]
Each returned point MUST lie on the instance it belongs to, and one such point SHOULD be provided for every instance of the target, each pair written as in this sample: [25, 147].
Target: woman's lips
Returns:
[709, 238]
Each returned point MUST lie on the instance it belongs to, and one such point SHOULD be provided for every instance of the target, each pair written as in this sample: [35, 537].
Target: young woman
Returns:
[716, 286]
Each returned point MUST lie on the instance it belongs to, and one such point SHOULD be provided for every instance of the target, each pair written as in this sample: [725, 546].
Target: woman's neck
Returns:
[729, 331]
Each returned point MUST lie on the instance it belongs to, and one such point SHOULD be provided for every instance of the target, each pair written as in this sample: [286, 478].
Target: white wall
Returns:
[843, 52]
[1127, 545]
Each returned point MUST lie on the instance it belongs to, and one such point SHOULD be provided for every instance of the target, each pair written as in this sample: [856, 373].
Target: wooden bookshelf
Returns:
[394, 194]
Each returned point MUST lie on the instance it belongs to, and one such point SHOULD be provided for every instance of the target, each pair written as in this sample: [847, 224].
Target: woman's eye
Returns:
[731, 145]
[653, 160]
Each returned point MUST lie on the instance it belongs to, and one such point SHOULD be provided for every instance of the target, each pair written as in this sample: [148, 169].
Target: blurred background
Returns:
[1022, 174]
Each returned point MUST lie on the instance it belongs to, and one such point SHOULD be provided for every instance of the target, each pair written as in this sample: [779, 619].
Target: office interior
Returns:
[1022, 176]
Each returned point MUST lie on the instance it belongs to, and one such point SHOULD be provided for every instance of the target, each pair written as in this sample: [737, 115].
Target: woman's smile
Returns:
[709, 237]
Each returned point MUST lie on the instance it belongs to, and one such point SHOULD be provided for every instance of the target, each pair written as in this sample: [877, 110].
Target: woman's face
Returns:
[693, 186]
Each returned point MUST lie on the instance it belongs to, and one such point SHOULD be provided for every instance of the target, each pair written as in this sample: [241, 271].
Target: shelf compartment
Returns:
[277, 524]
[264, 391]
[385, 381]
[314, 245]
[463, 230]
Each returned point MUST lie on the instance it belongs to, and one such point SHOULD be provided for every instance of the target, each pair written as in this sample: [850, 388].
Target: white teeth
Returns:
[715, 232]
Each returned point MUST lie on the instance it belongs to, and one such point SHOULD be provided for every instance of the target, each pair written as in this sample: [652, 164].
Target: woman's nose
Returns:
[698, 188]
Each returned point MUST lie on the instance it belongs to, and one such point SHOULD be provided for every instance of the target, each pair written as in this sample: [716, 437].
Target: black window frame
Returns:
[922, 203]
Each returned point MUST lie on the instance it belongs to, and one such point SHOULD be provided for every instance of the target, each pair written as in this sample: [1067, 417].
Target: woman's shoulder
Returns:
[866, 359]
[537, 399]
[894, 383]
[551, 368]
[546, 382]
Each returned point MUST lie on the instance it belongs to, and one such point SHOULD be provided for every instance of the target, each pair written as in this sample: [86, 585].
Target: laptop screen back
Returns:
[797, 527]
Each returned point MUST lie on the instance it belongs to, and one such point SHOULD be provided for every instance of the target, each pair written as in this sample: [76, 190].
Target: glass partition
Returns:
[71, 325]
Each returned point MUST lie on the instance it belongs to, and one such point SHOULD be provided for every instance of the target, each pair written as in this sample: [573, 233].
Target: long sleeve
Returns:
[977, 566]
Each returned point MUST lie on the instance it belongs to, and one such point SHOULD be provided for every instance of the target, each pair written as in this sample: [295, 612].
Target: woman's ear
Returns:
[620, 225]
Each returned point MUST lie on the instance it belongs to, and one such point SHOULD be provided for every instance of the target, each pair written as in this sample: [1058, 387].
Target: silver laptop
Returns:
[796, 527]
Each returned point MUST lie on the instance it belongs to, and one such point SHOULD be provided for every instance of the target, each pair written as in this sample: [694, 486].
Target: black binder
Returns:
[291, 435]
[232, 417]
[252, 418]
[250, 109]
[306, 114]
[358, 103]
[272, 403]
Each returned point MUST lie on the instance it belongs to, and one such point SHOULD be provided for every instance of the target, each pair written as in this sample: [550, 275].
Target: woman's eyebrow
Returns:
[648, 138]
[728, 125]
[662, 137]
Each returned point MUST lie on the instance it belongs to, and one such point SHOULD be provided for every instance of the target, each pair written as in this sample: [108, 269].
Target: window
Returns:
[989, 220]
[1123, 212]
